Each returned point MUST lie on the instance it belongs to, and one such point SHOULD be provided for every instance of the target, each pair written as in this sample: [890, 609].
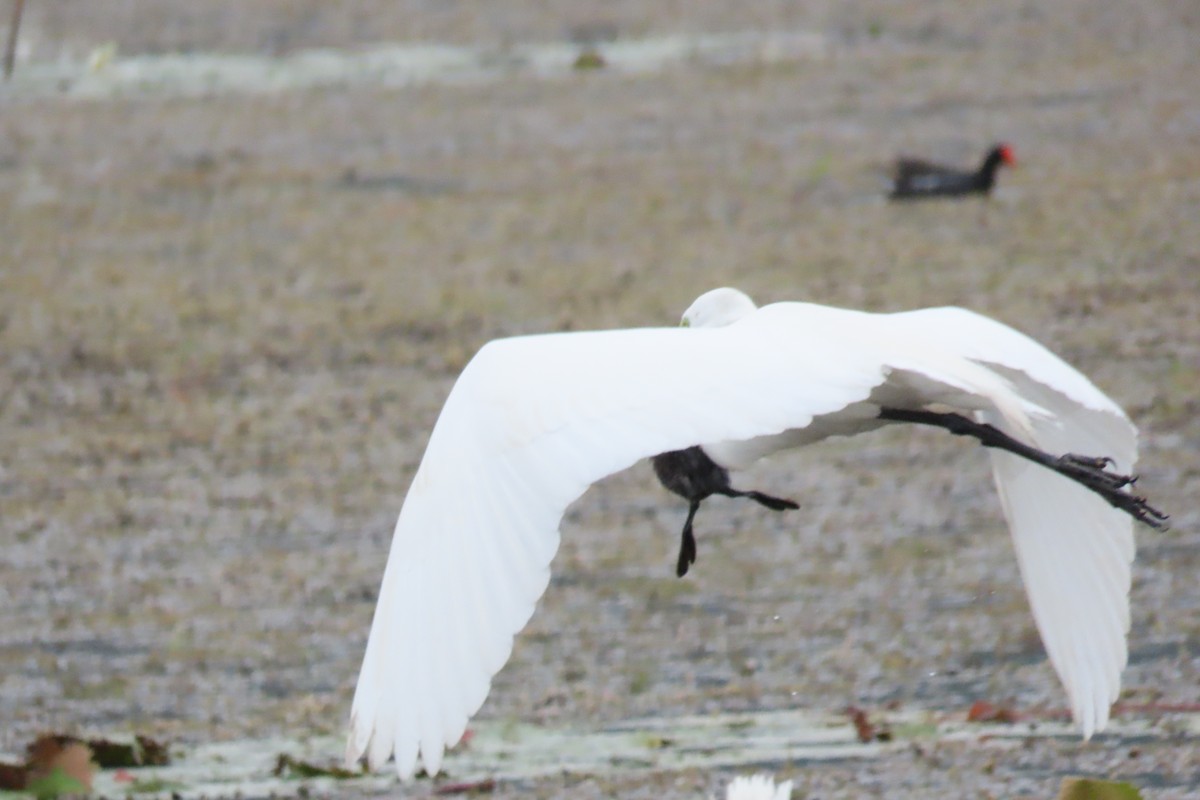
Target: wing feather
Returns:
[1074, 550]
[428, 673]
[529, 425]
[533, 421]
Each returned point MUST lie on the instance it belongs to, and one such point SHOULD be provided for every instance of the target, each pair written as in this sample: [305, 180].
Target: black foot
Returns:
[773, 503]
[1095, 475]
[1084, 470]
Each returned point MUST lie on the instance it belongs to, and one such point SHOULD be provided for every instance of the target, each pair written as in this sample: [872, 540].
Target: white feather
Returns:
[1074, 550]
[757, 787]
[533, 421]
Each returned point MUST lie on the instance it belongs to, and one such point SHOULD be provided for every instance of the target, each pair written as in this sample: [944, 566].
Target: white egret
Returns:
[534, 420]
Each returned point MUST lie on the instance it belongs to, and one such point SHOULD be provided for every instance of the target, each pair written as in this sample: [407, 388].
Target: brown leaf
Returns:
[50, 753]
[486, 786]
[142, 752]
[13, 777]
[983, 711]
[867, 731]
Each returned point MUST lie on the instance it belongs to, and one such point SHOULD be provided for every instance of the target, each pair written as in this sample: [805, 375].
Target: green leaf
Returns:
[56, 784]
[589, 59]
[155, 786]
[1092, 789]
[286, 766]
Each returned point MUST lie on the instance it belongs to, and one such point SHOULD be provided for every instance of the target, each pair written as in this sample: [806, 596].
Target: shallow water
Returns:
[106, 73]
[786, 743]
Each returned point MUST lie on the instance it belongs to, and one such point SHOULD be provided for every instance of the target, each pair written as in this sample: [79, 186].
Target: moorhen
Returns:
[916, 179]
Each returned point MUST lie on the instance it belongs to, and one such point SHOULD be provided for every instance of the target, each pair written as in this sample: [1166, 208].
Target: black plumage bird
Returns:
[915, 179]
[694, 476]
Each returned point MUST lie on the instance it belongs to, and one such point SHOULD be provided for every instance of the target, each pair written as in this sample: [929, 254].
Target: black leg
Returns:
[773, 503]
[687, 547]
[1084, 470]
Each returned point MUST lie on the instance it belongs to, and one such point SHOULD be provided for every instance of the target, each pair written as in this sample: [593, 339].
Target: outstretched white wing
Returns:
[1074, 549]
[529, 425]
[533, 421]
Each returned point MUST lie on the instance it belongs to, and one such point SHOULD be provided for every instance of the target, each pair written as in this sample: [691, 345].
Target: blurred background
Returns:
[238, 277]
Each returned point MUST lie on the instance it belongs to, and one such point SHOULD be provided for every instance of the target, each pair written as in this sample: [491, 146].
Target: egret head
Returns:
[717, 308]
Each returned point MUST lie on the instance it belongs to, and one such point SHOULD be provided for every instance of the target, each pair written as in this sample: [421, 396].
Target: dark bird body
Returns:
[916, 180]
[694, 476]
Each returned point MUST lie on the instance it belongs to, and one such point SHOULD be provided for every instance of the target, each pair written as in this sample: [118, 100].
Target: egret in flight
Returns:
[534, 420]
